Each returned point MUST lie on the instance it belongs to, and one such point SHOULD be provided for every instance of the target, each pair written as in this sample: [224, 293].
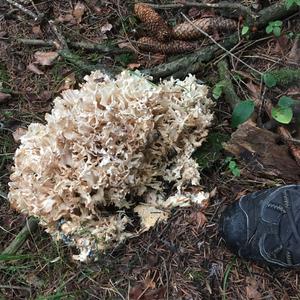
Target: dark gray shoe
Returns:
[265, 226]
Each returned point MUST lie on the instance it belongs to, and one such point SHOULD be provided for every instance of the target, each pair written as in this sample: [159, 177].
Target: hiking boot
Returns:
[265, 226]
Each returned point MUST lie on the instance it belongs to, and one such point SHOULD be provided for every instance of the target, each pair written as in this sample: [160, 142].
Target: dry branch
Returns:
[239, 8]
[24, 9]
[30, 227]
[76, 45]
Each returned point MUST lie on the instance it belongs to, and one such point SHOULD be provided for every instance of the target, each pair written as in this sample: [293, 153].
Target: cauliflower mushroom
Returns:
[112, 146]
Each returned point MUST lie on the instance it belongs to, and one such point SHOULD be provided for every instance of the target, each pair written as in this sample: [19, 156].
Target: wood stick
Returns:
[24, 9]
[76, 45]
[30, 227]
[221, 5]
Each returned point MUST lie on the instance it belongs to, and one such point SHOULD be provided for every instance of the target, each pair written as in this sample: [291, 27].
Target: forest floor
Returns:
[183, 258]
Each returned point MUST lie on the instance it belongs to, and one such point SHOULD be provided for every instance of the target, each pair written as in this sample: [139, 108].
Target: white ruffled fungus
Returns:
[106, 149]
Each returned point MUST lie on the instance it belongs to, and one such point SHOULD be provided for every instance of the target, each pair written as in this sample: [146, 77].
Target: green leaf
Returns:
[285, 101]
[218, 89]
[269, 80]
[269, 28]
[232, 165]
[277, 31]
[289, 3]
[236, 172]
[234, 168]
[227, 159]
[277, 23]
[282, 115]
[242, 112]
[245, 30]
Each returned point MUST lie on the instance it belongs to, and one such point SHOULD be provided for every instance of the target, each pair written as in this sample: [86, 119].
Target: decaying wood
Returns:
[230, 95]
[30, 227]
[262, 153]
[294, 148]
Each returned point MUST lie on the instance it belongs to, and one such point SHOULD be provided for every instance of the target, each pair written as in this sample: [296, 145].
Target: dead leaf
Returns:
[4, 97]
[18, 133]
[124, 45]
[199, 218]
[33, 68]
[252, 289]
[106, 27]
[68, 18]
[68, 83]
[150, 215]
[294, 54]
[283, 41]
[34, 280]
[45, 96]
[255, 90]
[45, 58]
[133, 66]
[78, 11]
[36, 30]
[136, 292]
[149, 283]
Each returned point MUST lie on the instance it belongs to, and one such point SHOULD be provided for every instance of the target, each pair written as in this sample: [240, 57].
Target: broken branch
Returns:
[246, 11]
[76, 45]
[30, 227]
[24, 9]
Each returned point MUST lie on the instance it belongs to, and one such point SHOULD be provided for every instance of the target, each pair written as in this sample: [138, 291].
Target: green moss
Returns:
[286, 77]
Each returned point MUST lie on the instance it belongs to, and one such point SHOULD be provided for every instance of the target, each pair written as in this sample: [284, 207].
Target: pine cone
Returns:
[173, 47]
[153, 21]
[186, 31]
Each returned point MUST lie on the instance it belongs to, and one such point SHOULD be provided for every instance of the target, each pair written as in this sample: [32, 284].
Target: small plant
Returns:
[218, 90]
[283, 112]
[245, 30]
[270, 80]
[232, 166]
[242, 112]
[274, 27]
[290, 3]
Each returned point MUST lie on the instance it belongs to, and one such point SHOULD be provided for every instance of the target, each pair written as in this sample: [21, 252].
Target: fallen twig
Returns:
[30, 227]
[76, 45]
[24, 9]
[221, 5]
[219, 45]
[60, 37]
